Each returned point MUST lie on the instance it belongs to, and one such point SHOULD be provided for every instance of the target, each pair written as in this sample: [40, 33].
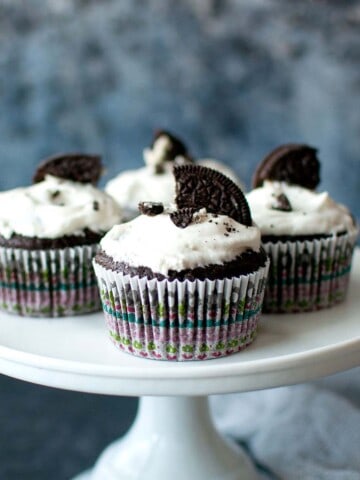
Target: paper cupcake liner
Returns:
[48, 283]
[181, 320]
[308, 275]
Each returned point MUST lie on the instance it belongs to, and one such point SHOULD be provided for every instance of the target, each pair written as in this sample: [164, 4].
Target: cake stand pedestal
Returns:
[173, 436]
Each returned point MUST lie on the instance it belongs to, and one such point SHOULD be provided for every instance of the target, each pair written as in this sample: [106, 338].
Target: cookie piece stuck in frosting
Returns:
[165, 147]
[78, 167]
[294, 164]
[281, 203]
[151, 208]
[183, 217]
[200, 187]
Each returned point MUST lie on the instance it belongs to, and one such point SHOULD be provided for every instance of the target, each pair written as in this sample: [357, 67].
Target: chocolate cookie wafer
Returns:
[151, 208]
[78, 167]
[295, 164]
[200, 187]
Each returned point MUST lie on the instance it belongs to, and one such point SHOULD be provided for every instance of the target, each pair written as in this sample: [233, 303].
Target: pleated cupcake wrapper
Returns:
[181, 320]
[48, 283]
[308, 275]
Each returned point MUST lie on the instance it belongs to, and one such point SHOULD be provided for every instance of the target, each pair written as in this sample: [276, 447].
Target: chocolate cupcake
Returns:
[308, 236]
[49, 234]
[155, 182]
[185, 283]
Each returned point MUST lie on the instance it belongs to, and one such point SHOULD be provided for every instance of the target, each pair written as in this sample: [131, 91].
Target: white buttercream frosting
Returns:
[56, 207]
[222, 168]
[143, 184]
[312, 212]
[156, 243]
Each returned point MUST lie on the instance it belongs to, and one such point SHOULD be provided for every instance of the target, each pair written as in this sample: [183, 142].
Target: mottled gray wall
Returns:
[233, 77]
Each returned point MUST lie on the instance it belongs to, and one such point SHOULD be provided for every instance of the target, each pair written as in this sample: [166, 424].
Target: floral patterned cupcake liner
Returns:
[181, 320]
[48, 283]
[308, 275]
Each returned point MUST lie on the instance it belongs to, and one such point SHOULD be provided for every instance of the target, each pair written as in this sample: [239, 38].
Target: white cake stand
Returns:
[173, 436]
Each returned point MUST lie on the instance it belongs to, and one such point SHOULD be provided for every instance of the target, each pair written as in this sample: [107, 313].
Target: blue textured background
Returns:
[235, 78]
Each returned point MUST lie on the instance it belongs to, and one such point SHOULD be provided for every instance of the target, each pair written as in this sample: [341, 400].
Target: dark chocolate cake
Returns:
[49, 234]
[307, 235]
[185, 283]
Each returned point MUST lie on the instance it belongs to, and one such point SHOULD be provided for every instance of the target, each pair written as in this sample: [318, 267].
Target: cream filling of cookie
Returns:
[56, 207]
[311, 212]
[156, 243]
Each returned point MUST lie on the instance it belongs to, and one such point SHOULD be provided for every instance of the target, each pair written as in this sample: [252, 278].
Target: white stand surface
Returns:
[173, 436]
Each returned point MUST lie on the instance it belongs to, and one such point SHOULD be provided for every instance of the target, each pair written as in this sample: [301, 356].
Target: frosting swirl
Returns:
[156, 243]
[311, 212]
[56, 207]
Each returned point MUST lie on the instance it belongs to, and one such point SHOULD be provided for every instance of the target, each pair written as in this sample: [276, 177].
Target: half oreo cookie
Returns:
[292, 163]
[201, 187]
[78, 167]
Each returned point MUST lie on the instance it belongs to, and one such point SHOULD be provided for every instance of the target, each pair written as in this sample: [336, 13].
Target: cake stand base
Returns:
[172, 438]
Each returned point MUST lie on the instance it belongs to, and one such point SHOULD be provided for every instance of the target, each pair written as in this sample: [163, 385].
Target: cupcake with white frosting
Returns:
[309, 237]
[155, 182]
[185, 282]
[49, 234]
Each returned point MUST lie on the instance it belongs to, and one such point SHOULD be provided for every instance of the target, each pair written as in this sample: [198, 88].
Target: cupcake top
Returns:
[62, 202]
[210, 225]
[155, 182]
[284, 202]
[209, 239]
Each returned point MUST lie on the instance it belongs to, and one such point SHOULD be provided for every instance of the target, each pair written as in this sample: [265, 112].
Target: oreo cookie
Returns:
[177, 147]
[78, 167]
[183, 217]
[201, 187]
[292, 163]
[151, 208]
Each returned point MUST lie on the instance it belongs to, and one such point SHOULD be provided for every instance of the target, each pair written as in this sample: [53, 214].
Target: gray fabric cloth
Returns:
[300, 432]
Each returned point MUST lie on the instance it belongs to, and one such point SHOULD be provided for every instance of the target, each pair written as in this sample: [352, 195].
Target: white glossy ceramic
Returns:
[173, 436]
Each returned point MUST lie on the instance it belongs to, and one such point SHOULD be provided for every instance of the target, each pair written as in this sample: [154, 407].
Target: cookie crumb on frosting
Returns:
[281, 203]
[183, 217]
[151, 208]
